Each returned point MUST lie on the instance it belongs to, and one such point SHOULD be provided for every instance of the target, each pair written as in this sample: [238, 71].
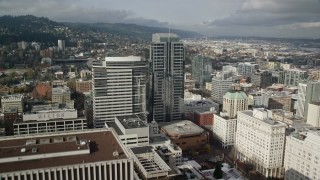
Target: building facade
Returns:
[247, 69]
[119, 88]
[234, 102]
[131, 129]
[60, 95]
[72, 155]
[302, 89]
[314, 114]
[83, 86]
[260, 142]
[220, 86]
[292, 77]
[224, 129]
[185, 134]
[302, 155]
[50, 126]
[201, 69]
[12, 101]
[312, 95]
[167, 86]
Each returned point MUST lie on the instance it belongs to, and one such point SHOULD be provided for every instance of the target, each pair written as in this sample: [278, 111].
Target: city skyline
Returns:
[284, 18]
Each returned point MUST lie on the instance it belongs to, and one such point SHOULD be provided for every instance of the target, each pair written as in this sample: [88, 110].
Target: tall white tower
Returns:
[119, 88]
[61, 45]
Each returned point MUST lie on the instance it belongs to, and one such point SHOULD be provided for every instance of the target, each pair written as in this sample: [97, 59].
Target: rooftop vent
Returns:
[83, 142]
[58, 139]
[23, 150]
[44, 141]
[115, 153]
[34, 150]
[71, 138]
[31, 142]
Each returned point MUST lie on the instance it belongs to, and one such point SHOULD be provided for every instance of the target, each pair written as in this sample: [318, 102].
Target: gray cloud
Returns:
[73, 11]
[272, 13]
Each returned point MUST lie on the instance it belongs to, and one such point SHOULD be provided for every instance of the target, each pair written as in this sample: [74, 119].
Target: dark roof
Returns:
[102, 146]
[142, 150]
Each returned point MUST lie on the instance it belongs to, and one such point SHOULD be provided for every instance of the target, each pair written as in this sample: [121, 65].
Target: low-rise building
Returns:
[6, 90]
[148, 163]
[204, 118]
[83, 86]
[48, 119]
[189, 107]
[277, 100]
[224, 128]
[92, 154]
[185, 134]
[60, 95]
[12, 101]
[286, 117]
[132, 130]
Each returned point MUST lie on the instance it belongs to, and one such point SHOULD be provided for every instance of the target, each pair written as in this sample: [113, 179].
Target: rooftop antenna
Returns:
[169, 33]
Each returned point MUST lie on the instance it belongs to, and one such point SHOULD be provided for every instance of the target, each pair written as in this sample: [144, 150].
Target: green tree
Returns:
[72, 84]
[217, 174]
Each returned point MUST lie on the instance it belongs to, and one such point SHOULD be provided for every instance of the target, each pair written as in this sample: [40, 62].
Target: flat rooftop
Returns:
[123, 59]
[181, 128]
[203, 102]
[33, 152]
[131, 121]
[155, 139]
[20, 121]
[268, 120]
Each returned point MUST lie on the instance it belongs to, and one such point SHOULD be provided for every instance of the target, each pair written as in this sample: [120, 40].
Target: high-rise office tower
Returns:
[247, 69]
[201, 69]
[220, 85]
[312, 95]
[119, 88]
[302, 89]
[167, 57]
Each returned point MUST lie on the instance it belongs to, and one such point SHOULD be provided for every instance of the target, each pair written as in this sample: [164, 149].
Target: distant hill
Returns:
[132, 30]
[31, 28]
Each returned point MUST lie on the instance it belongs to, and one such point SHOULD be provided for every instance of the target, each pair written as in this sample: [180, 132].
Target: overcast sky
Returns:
[275, 18]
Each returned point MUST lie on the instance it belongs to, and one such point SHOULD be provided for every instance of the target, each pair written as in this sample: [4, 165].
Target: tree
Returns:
[78, 100]
[217, 174]
[71, 83]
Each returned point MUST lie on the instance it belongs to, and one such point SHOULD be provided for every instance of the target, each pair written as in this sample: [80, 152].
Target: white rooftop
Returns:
[121, 59]
[182, 128]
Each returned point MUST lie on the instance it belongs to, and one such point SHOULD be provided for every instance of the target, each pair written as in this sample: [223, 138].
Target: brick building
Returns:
[83, 86]
[185, 134]
[203, 118]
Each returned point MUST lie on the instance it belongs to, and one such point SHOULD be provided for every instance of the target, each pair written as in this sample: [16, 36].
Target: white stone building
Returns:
[224, 129]
[60, 95]
[314, 114]
[119, 88]
[131, 129]
[302, 155]
[12, 101]
[220, 86]
[260, 142]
